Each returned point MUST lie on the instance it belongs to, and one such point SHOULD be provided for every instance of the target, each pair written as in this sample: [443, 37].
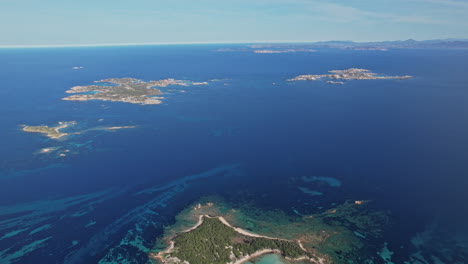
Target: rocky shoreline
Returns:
[345, 75]
[127, 90]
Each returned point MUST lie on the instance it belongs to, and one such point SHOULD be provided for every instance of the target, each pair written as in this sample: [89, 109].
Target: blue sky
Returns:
[66, 22]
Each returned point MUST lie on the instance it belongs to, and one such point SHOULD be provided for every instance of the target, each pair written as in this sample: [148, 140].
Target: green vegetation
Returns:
[342, 234]
[213, 242]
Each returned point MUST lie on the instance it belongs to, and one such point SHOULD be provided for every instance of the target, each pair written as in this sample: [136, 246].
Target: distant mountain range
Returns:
[401, 44]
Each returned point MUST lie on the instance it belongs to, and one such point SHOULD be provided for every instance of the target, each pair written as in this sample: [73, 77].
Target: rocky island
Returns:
[55, 133]
[51, 132]
[346, 75]
[266, 51]
[217, 233]
[128, 90]
[213, 240]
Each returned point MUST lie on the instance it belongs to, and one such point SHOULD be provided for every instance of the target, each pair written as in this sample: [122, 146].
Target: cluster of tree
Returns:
[213, 242]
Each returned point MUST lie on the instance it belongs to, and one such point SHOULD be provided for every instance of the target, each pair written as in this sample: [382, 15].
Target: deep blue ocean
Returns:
[244, 137]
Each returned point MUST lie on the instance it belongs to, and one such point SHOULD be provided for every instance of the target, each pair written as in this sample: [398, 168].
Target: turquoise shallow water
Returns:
[249, 136]
[268, 259]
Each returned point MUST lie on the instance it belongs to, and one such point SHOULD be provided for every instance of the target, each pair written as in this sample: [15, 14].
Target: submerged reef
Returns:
[346, 75]
[332, 182]
[128, 90]
[216, 232]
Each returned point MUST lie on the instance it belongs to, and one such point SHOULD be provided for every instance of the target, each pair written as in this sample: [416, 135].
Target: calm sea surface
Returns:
[245, 137]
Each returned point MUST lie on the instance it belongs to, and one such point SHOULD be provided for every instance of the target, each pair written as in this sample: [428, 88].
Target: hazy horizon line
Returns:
[189, 43]
[125, 44]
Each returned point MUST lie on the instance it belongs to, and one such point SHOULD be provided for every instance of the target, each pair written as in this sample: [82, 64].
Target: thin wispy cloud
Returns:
[446, 3]
[346, 14]
[120, 21]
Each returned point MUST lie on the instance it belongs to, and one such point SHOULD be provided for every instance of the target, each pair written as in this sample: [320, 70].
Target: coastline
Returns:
[56, 134]
[160, 255]
[256, 255]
